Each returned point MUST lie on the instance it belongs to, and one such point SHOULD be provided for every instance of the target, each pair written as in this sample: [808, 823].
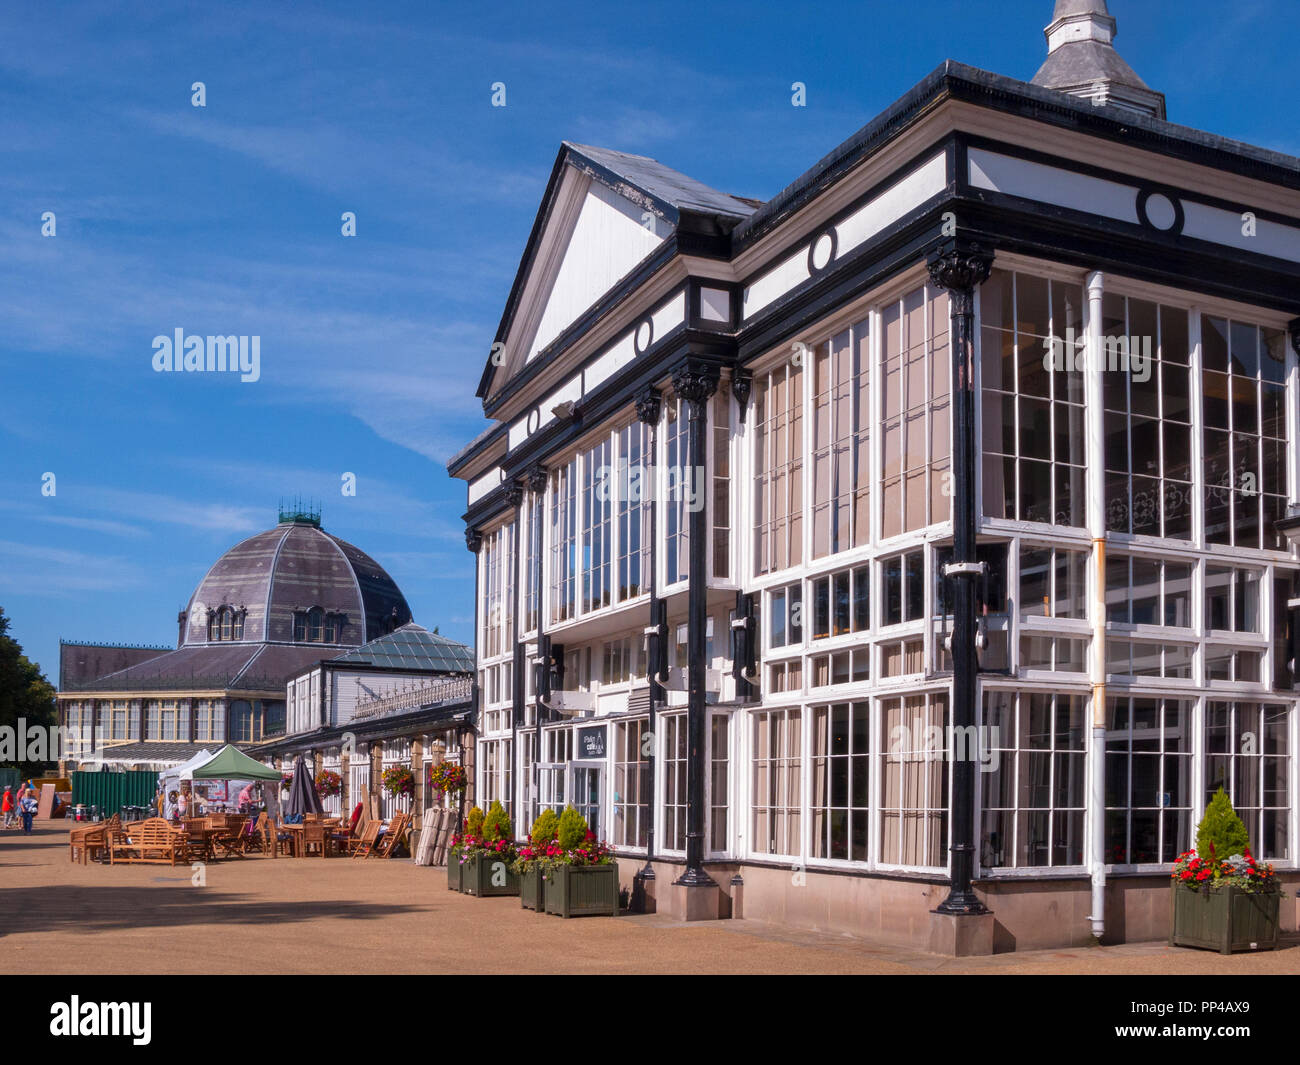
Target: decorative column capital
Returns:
[473, 539]
[960, 269]
[742, 385]
[514, 494]
[695, 382]
[1293, 327]
[649, 405]
[536, 479]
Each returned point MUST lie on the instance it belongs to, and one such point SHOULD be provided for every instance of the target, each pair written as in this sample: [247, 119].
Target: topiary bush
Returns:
[1221, 833]
[474, 822]
[496, 825]
[545, 828]
[572, 829]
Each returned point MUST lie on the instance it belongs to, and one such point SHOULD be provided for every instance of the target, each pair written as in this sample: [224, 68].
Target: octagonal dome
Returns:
[277, 577]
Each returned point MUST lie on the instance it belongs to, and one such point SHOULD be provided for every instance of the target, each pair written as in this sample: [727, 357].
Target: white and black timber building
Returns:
[914, 541]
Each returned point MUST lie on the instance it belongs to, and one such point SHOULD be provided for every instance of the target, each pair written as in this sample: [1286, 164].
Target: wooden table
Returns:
[331, 826]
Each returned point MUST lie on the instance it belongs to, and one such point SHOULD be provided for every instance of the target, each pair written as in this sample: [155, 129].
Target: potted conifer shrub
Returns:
[1221, 897]
[532, 858]
[463, 843]
[487, 862]
[581, 876]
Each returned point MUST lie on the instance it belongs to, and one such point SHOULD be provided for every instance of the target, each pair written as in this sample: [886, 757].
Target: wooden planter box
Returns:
[582, 890]
[484, 875]
[1225, 920]
[454, 870]
[531, 889]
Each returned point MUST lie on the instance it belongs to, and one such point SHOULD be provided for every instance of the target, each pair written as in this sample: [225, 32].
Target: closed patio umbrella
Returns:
[302, 792]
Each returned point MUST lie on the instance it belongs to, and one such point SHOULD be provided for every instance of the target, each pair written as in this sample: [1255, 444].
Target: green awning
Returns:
[230, 763]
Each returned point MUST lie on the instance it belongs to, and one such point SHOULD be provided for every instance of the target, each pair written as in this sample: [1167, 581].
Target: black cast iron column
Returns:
[474, 542]
[514, 499]
[960, 270]
[649, 407]
[695, 382]
[536, 480]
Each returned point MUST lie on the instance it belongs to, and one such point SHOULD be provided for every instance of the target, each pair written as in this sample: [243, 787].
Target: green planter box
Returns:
[531, 886]
[1225, 920]
[582, 890]
[453, 870]
[484, 875]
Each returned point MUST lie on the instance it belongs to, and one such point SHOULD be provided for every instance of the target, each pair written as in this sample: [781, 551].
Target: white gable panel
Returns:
[608, 240]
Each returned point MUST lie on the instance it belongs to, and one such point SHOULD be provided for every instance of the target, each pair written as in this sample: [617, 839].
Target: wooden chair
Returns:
[363, 847]
[87, 841]
[255, 835]
[152, 841]
[315, 841]
[96, 846]
[285, 838]
[396, 833]
[230, 840]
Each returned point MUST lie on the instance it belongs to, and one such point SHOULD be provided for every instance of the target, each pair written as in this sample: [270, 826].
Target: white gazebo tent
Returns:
[169, 779]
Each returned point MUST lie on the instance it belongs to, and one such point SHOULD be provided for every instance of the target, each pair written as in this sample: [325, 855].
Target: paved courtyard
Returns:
[321, 915]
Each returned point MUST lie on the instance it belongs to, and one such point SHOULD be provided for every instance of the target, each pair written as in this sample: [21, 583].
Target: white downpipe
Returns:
[1095, 454]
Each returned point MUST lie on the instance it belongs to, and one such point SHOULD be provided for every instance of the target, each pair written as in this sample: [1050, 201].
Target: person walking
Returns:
[27, 806]
[9, 805]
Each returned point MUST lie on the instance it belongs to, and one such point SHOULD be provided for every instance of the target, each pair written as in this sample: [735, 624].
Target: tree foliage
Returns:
[496, 825]
[573, 829]
[474, 822]
[1221, 833]
[24, 693]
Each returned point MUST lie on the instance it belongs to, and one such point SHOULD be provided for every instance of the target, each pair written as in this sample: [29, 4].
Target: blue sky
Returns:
[226, 219]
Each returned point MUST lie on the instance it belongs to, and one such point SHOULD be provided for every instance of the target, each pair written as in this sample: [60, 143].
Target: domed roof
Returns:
[294, 568]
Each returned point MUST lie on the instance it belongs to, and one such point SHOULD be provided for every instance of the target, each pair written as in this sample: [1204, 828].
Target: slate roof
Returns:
[1084, 63]
[164, 752]
[666, 184]
[413, 647]
[212, 667]
[296, 566]
[82, 662]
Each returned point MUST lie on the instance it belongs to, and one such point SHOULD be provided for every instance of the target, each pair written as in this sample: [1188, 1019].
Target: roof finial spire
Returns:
[1082, 61]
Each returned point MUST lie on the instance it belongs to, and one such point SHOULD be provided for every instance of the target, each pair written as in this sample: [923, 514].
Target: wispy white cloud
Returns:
[38, 569]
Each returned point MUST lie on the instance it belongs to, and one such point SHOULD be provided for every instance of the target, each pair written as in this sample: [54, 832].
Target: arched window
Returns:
[237, 628]
[214, 626]
[299, 625]
[315, 625]
[331, 628]
[227, 619]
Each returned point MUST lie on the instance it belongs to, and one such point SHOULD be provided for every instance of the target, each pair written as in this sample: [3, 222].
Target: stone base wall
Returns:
[1028, 914]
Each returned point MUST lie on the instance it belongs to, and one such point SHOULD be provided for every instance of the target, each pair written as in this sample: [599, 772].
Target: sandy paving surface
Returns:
[330, 915]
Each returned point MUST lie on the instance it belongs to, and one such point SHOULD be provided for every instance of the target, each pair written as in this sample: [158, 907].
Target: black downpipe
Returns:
[649, 407]
[960, 271]
[695, 382]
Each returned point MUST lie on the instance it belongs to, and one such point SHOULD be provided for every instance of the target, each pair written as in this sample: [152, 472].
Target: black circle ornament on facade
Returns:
[534, 420]
[822, 251]
[1156, 206]
[644, 329]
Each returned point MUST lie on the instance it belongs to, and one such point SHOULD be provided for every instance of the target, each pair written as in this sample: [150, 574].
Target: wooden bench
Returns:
[152, 841]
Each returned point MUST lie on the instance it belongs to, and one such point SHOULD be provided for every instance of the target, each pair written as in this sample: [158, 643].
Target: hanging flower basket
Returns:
[328, 784]
[286, 781]
[399, 780]
[448, 778]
